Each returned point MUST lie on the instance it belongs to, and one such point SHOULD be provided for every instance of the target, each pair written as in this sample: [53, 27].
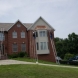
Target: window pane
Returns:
[2, 37]
[43, 33]
[44, 45]
[41, 45]
[23, 47]
[37, 45]
[48, 45]
[15, 48]
[14, 34]
[40, 33]
[22, 34]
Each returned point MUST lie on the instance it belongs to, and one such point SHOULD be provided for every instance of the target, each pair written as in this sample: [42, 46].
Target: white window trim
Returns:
[42, 34]
[22, 34]
[43, 46]
[14, 34]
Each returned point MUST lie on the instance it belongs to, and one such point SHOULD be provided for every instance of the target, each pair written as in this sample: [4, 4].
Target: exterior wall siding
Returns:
[29, 41]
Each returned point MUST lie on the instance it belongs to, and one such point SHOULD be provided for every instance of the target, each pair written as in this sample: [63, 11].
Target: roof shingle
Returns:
[6, 26]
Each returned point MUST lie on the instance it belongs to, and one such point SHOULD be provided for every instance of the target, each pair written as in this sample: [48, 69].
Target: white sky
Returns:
[61, 14]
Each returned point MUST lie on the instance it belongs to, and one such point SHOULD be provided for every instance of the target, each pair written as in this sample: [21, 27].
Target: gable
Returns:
[41, 24]
[16, 25]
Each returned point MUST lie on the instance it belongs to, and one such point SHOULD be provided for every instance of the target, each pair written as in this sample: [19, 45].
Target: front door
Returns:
[2, 49]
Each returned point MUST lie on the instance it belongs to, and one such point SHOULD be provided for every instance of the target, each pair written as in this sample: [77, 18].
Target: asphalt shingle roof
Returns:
[6, 26]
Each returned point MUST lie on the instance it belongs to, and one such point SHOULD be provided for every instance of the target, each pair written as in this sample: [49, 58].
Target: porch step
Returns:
[2, 57]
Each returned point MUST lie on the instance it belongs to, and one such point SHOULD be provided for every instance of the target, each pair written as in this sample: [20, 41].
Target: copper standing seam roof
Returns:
[6, 26]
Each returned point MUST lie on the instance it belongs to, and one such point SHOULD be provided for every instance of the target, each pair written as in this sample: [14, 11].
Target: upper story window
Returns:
[14, 34]
[18, 25]
[22, 34]
[2, 37]
[42, 33]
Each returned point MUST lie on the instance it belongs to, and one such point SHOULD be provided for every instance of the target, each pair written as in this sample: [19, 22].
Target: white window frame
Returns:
[42, 33]
[14, 47]
[22, 34]
[14, 34]
[43, 45]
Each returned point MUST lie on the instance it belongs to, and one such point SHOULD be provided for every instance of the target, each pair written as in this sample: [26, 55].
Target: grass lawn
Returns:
[36, 71]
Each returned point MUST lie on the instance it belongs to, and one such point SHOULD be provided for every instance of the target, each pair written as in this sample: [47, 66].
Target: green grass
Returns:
[36, 71]
[33, 60]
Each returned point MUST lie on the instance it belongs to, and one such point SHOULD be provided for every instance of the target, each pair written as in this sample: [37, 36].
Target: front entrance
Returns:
[1, 51]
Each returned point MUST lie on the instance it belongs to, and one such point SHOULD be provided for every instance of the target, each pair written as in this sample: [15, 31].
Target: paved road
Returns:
[8, 62]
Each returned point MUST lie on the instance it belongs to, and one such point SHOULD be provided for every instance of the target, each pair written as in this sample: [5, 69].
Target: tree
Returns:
[70, 44]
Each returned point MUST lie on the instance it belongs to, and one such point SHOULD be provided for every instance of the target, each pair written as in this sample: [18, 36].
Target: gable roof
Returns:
[7, 26]
[44, 21]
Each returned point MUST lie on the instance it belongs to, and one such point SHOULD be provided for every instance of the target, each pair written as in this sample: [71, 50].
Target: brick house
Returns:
[37, 39]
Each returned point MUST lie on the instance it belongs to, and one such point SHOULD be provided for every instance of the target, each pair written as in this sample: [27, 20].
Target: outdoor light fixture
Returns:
[34, 35]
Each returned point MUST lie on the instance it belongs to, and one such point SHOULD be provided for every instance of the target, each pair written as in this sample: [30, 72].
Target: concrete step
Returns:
[2, 57]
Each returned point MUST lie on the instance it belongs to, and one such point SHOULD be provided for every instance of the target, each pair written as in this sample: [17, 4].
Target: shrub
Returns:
[68, 56]
[13, 56]
[22, 54]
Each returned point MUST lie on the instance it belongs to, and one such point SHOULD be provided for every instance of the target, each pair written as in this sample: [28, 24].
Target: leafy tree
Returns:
[70, 44]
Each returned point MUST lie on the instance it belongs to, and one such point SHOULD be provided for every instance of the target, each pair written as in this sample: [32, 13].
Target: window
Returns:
[18, 25]
[43, 45]
[23, 47]
[37, 46]
[14, 47]
[14, 34]
[36, 34]
[48, 45]
[22, 34]
[42, 33]
[2, 37]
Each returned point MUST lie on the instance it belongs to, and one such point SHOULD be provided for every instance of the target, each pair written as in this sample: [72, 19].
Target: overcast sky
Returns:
[60, 14]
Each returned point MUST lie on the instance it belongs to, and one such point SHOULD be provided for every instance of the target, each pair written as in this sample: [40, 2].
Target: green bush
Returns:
[13, 56]
[22, 54]
[68, 56]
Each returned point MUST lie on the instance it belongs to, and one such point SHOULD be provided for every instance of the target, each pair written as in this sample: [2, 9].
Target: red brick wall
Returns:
[18, 40]
[31, 43]
[29, 40]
